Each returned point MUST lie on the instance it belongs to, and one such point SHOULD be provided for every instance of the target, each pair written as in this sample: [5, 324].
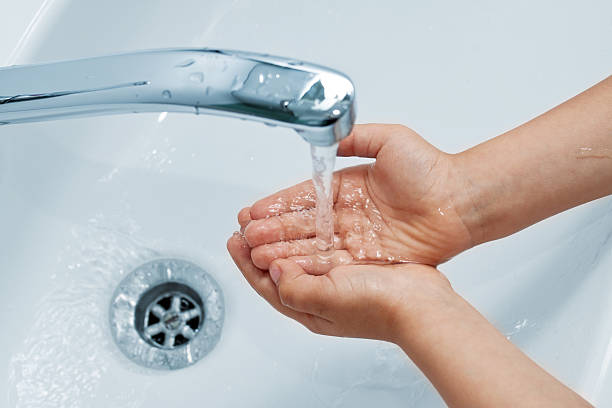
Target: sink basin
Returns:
[85, 201]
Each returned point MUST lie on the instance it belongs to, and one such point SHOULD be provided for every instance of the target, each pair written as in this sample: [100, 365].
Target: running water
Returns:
[363, 242]
[323, 160]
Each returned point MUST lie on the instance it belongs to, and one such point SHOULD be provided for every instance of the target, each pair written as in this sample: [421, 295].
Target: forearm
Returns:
[473, 365]
[556, 161]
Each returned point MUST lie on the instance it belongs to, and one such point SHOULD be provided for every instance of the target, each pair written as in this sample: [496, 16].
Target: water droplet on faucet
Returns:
[167, 94]
[236, 83]
[186, 63]
[196, 77]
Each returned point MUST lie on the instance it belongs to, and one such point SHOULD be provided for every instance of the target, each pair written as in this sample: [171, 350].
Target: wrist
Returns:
[423, 332]
[433, 305]
[467, 197]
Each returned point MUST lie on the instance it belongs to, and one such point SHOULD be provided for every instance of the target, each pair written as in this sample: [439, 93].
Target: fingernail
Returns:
[275, 272]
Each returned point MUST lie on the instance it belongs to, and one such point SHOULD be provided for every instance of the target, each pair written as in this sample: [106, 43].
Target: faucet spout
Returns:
[317, 102]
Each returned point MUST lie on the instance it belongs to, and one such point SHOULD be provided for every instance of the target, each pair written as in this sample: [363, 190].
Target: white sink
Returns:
[85, 201]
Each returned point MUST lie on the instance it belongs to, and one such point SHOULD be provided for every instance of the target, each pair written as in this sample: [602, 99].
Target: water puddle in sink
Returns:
[323, 161]
[67, 354]
[373, 373]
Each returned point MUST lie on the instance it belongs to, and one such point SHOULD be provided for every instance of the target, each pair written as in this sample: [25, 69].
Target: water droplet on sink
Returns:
[208, 90]
[295, 62]
[196, 77]
[167, 94]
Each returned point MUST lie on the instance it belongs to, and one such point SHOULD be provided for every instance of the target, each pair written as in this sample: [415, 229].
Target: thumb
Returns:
[299, 290]
[364, 141]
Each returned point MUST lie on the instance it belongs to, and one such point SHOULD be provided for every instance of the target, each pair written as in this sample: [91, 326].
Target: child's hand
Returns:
[412, 205]
[368, 301]
[404, 207]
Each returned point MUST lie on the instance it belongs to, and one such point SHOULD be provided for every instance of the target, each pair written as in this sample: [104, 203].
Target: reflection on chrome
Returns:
[315, 101]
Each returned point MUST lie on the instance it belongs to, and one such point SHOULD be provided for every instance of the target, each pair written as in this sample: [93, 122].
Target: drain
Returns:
[167, 314]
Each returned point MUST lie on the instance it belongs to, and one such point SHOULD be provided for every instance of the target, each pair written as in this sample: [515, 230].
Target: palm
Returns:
[399, 209]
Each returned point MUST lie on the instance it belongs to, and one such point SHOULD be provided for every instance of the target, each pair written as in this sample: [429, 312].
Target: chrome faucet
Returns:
[315, 101]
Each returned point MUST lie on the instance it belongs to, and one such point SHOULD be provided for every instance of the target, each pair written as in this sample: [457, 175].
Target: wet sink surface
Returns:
[84, 201]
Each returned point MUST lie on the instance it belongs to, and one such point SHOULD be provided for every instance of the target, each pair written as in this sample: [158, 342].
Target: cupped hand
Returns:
[367, 301]
[404, 207]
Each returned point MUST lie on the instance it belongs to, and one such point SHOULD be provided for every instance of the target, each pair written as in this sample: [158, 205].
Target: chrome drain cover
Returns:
[167, 314]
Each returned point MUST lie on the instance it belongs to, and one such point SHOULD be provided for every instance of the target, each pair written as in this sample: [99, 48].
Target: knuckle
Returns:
[400, 128]
[401, 132]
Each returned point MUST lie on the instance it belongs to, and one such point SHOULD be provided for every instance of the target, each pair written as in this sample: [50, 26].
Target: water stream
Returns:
[323, 161]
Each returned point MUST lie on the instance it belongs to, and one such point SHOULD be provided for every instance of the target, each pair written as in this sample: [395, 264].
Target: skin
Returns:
[428, 206]
[554, 162]
[415, 307]
[375, 221]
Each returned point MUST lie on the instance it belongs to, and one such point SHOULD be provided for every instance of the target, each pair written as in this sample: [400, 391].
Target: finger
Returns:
[265, 287]
[263, 255]
[284, 227]
[319, 264]
[258, 279]
[301, 291]
[299, 197]
[244, 217]
[364, 140]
